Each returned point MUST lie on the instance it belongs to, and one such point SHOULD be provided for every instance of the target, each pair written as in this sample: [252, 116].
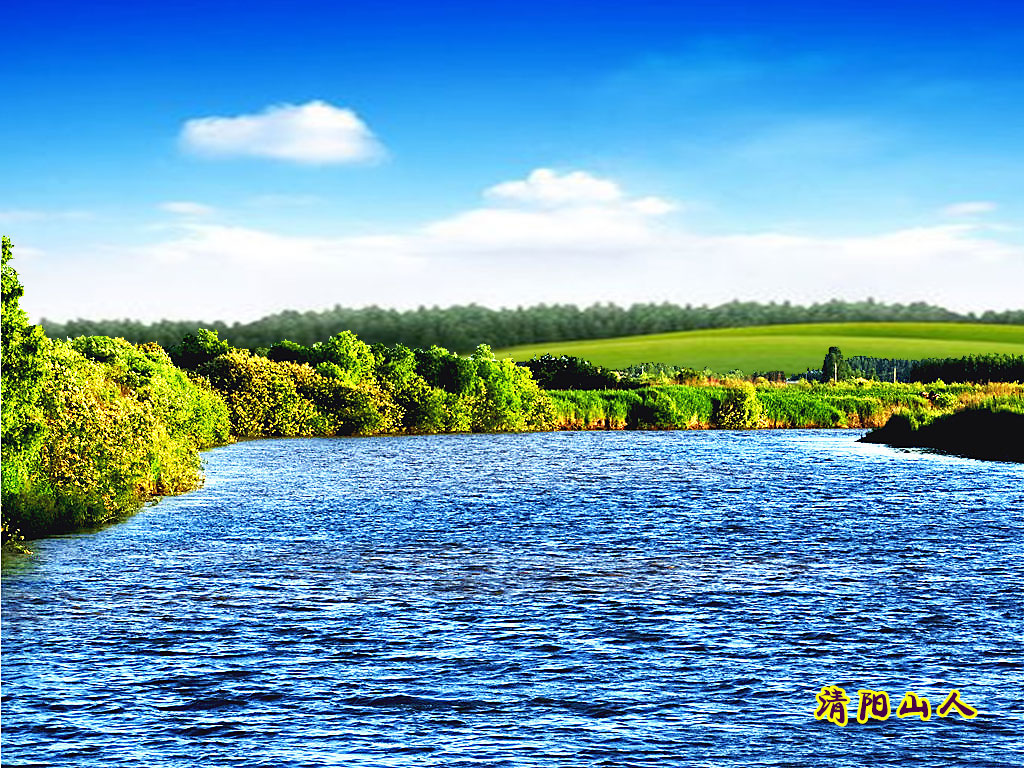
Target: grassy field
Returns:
[791, 348]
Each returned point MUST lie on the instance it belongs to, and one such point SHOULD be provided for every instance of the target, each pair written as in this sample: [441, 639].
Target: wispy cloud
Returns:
[315, 133]
[187, 208]
[969, 208]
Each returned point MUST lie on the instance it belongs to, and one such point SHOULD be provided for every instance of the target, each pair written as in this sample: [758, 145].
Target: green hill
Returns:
[791, 348]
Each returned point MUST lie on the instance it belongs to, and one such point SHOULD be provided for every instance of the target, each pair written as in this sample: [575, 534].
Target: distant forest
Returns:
[463, 328]
[972, 368]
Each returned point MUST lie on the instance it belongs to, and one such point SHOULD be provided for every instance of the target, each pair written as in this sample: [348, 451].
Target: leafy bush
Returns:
[290, 352]
[446, 370]
[656, 410]
[352, 356]
[506, 398]
[189, 409]
[116, 433]
[393, 366]
[344, 409]
[567, 372]
[261, 396]
[426, 409]
[21, 381]
[198, 348]
[739, 408]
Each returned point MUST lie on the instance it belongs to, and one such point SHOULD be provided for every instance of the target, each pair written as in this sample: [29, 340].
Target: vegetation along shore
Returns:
[94, 426]
[978, 433]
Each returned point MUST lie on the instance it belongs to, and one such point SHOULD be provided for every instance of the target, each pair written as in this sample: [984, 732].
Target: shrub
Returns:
[739, 408]
[261, 396]
[567, 372]
[352, 356]
[290, 352]
[656, 410]
[198, 348]
[107, 447]
[21, 379]
[505, 396]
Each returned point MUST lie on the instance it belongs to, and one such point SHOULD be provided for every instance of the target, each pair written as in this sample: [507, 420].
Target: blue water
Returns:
[567, 599]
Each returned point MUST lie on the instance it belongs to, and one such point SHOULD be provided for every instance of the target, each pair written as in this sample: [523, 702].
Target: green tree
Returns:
[351, 355]
[426, 409]
[394, 366]
[505, 397]
[291, 352]
[199, 348]
[834, 367]
[22, 369]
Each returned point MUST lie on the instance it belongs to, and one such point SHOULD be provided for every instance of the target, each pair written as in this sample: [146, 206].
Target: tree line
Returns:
[463, 328]
[976, 369]
[94, 426]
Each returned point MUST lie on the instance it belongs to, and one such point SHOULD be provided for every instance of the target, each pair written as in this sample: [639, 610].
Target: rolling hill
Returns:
[791, 348]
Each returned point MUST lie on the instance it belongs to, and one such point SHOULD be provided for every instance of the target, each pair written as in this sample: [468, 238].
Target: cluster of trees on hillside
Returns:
[881, 368]
[972, 368]
[463, 328]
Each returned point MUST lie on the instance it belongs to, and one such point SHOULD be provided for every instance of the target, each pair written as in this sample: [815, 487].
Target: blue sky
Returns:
[225, 160]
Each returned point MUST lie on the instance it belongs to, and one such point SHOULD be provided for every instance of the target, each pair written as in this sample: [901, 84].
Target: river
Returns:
[558, 599]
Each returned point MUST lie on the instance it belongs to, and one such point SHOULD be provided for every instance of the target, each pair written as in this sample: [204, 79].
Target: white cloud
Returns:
[548, 212]
[610, 249]
[547, 188]
[969, 208]
[187, 208]
[514, 232]
[652, 206]
[315, 133]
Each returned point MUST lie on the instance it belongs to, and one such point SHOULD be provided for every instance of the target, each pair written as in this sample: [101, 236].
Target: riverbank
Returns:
[94, 427]
[977, 434]
[93, 469]
[740, 405]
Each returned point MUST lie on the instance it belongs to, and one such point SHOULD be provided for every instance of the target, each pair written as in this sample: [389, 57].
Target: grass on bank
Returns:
[791, 348]
[741, 405]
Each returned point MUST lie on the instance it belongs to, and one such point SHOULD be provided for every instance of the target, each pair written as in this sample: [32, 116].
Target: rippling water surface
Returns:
[568, 599]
